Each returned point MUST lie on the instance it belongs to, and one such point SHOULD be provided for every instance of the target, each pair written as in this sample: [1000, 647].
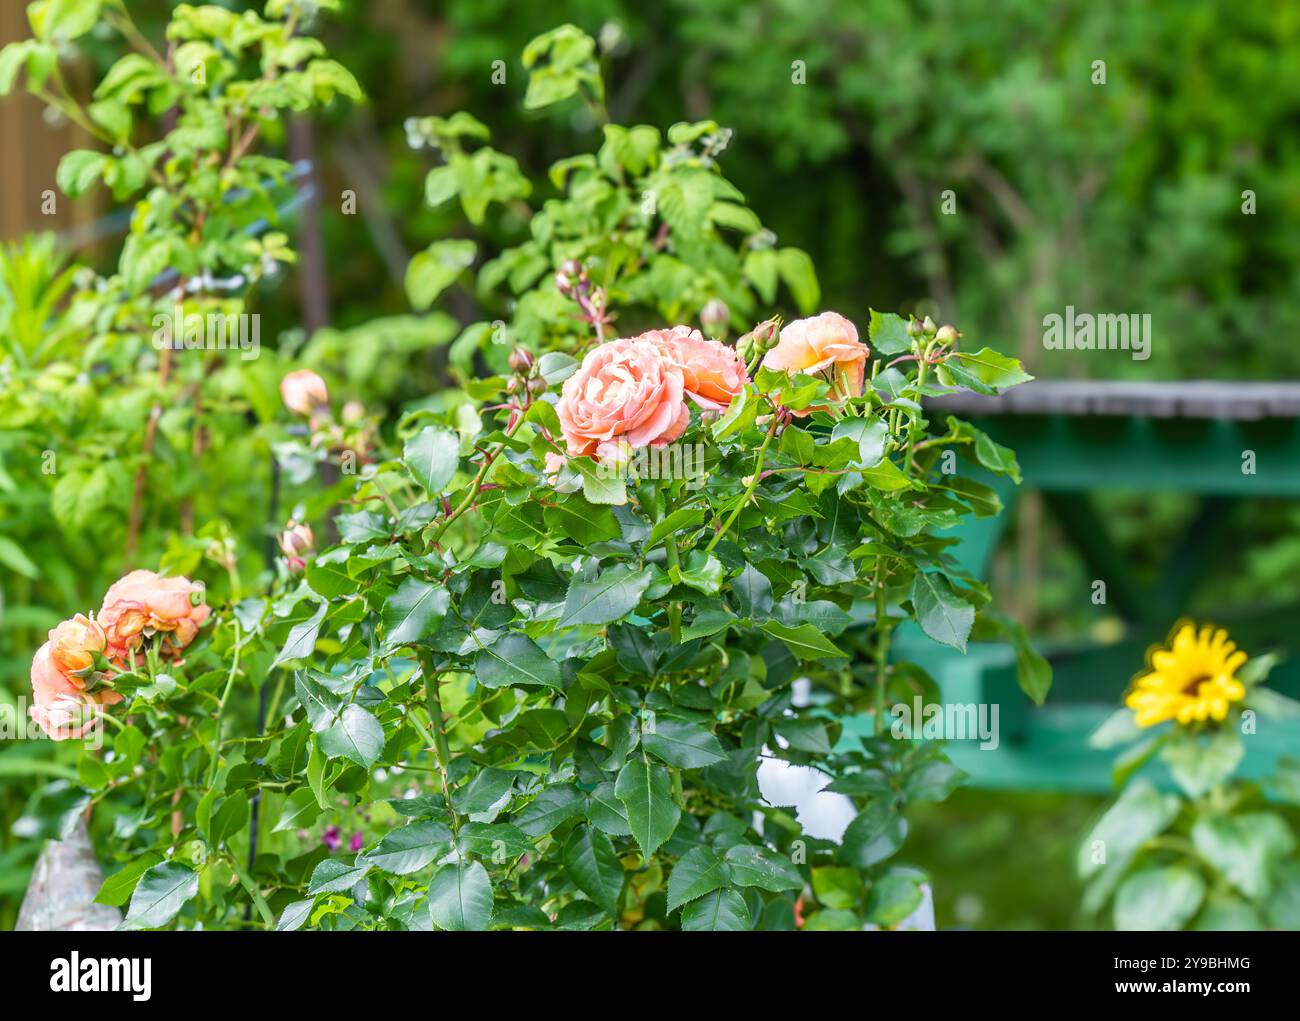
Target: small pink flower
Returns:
[825, 343]
[304, 392]
[356, 843]
[331, 838]
[625, 389]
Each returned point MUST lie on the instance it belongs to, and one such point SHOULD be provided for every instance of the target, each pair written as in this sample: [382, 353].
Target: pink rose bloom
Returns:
[626, 391]
[825, 343]
[143, 604]
[303, 391]
[62, 707]
[713, 374]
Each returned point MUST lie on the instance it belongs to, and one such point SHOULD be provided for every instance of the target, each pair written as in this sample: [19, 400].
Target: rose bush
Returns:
[535, 676]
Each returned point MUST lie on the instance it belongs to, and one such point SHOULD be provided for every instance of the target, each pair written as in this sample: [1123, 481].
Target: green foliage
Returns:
[540, 693]
[1212, 856]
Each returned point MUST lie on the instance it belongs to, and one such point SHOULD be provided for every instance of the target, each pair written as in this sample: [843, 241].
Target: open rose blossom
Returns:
[712, 374]
[824, 342]
[143, 604]
[303, 391]
[625, 392]
[63, 708]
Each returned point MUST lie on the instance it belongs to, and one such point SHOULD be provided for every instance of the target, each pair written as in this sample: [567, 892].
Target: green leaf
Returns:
[160, 894]
[888, 333]
[78, 170]
[685, 745]
[591, 862]
[294, 915]
[753, 592]
[301, 642]
[942, 616]
[804, 640]
[647, 793]
[432, 455]
[432, 271]
[460, 897]
[986, 371]
[719, 911]
[300, 810]
[1158, 899]
[116, 889]
[335, 876]
[876, 834]
[614, 594]
[551, 807]
[1244, 848]
[892, 898]
[516, 659]
[1198, 762]
[749, 865]
[868, 433]
[413, 612]
[796, 269]
[699, 871]
[356, 735]
[681, 520]
[409, 848]
[13, 557]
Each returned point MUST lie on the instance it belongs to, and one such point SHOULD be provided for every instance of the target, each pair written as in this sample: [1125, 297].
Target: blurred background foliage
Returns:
[931, 156]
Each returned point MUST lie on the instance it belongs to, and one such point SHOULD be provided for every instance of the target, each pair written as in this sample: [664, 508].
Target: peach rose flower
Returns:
[62, 705]
[827, 342]
[626, 391]
[143, 604]
[303, 391]
[713, 374]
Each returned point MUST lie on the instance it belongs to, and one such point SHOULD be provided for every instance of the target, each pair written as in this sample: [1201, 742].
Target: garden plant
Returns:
[1212, 853]
[527, 640]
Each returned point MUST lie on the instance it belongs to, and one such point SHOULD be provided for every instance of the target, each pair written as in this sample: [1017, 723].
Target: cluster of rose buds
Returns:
[571, 280]
[526, 378]
[926, 329]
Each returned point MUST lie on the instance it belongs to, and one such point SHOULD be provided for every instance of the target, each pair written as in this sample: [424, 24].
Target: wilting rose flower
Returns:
[304, 392]
[624, 390]
[713, 375]
[73, 645]
[63, 708]
[296, 542]
[144, 604]
[825, 343]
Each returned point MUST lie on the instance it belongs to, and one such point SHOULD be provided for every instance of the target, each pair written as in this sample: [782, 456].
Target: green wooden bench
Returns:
[1074, 439]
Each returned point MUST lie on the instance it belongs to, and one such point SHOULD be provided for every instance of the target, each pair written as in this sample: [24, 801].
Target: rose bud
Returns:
[353, 412]
[304, 392]
[521, 361]
[296, 542]
[715, 313]
[947, 335]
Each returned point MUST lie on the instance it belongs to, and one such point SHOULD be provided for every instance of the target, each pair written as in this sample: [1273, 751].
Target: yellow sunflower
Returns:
[1195, 679]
